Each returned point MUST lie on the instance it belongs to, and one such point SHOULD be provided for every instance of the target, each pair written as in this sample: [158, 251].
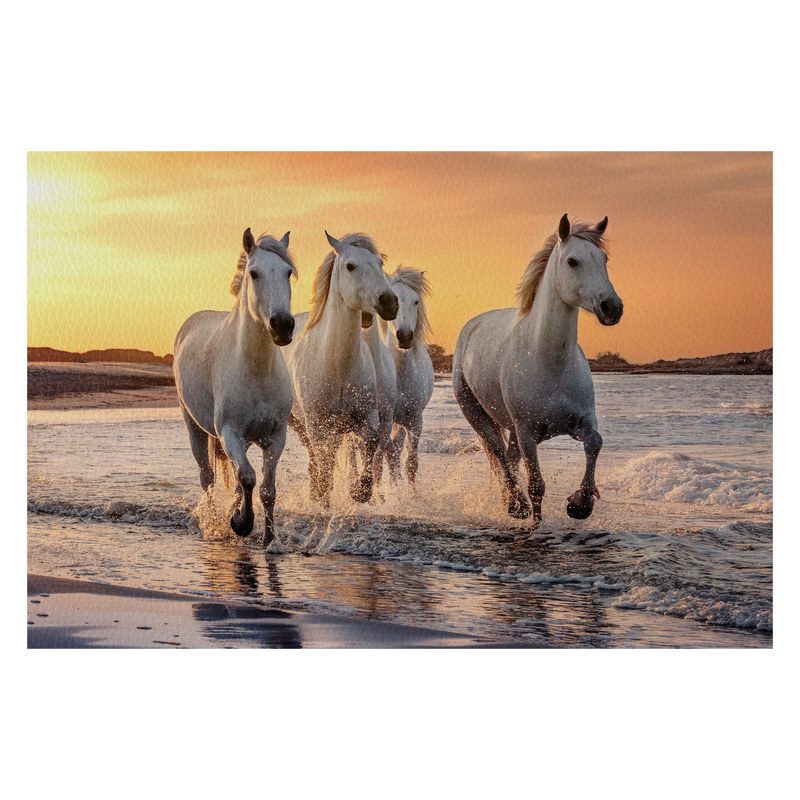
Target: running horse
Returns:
[233, 385]
[332, 369]
[406, 339]
[520, 376]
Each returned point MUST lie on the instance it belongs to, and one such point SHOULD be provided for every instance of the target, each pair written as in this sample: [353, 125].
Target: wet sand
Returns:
[56, 386]
[70, 614]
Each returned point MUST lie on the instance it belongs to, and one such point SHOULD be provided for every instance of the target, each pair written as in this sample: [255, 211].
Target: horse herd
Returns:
[336, 375]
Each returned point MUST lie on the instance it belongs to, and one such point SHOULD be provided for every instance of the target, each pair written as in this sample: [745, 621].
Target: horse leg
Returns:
[394, 453]
[236, 450]
[353, 448]
[268, 492]
[528, 445]
[412, 462]
[313, 473]
[361, 492]
[513, 453]
[326, 446]
[580, 503]
[385, 428]
[490, 435]
[198, 440]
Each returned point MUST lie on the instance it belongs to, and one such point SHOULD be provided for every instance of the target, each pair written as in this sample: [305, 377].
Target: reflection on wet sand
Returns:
[258, 626]
[409, 594]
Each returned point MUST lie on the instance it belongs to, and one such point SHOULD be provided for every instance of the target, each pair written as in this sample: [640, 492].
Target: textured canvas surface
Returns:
[122, 245]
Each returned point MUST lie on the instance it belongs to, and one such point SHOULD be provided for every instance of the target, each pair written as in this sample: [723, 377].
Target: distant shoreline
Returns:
[67, 385]
[731, 364]
[756, 363]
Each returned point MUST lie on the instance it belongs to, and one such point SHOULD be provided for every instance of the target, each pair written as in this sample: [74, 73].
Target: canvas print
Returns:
[400, 400]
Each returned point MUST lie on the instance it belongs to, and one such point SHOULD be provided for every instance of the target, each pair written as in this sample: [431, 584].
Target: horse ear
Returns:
[334, 243]
[248, 242]
[285, 240]
[601, 226]
[563, 228]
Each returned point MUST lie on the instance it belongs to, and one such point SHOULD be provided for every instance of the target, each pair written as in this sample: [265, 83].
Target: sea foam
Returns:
[684, 479]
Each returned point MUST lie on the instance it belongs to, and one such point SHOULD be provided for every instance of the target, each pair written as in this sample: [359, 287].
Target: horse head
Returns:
[266, 277]
[359, 278]
[411, 287]
[581, 272]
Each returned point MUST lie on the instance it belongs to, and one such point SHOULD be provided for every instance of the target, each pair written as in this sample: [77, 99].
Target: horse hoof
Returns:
[269, 538]
[362, 490]
[579, 512]
[241, 527]
[580, 505]
[361, 494]
[519, 508]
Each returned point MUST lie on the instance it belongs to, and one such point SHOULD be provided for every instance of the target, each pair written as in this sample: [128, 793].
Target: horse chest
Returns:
[349, 400]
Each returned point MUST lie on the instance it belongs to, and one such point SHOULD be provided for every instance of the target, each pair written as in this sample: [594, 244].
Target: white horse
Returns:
[522, 371]
[233, 385]
[332, 369]
[406, 339]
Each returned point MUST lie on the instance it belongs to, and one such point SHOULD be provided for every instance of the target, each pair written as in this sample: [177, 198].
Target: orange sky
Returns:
[122, 247]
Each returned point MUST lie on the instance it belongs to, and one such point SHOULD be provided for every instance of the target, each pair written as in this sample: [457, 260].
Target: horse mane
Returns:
[322, 280]
[534, 272]
[415, 279]
[265, 242]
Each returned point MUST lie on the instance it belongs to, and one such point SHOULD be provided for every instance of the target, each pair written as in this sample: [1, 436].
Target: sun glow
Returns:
[122, 247]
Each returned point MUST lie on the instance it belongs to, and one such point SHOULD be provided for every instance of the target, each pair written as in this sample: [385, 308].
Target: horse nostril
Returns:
[388, 305]
[281, 324]
[611, 309]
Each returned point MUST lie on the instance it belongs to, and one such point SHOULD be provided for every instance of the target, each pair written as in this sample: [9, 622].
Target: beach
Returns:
[58, 386]
[67, 614]
[123, 548]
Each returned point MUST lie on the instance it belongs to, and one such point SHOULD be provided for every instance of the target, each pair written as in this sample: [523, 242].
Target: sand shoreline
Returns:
[69, 386]
[69, 614]
[154, 397]
[55, 386]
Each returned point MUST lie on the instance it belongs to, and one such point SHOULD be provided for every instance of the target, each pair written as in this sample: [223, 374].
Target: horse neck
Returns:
[550, 329]
[340, 329]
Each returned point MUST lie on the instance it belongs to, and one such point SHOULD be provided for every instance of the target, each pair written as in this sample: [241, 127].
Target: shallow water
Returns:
[678, 552]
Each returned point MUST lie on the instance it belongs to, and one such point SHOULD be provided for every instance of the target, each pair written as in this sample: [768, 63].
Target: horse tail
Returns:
[220, 463]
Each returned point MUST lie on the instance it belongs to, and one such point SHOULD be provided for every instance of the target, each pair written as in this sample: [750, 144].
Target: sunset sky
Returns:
[122, 247]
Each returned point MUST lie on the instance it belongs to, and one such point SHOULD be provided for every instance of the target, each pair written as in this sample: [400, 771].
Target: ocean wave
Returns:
[157, 516]
[687, 604]
[684, 479]
[756, 408]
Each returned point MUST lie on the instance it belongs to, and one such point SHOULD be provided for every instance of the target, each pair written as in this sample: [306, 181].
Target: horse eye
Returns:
[289, 274]
[351, 267]
[254, 275]
[416, 302]
[573, 262]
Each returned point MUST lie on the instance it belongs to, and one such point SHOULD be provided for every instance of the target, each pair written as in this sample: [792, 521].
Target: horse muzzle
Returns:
[609, 311]
[281, 328]
[388, 305]
[404, 339]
